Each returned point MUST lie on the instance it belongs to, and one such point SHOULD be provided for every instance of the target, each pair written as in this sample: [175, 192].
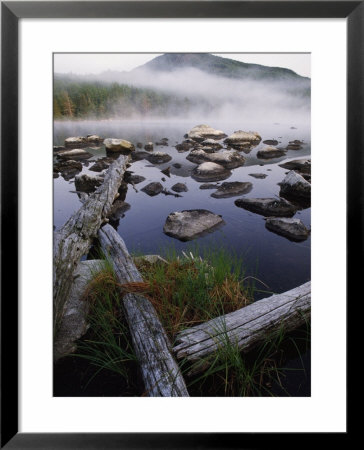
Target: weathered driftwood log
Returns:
[75, 237]
[74, 323]
[161, 374]
[245, 328]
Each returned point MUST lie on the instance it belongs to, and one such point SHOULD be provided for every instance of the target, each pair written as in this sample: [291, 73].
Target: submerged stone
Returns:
[232, 189]
[291, 228]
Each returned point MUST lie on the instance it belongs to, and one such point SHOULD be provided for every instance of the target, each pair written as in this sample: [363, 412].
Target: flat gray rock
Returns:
[267, 206]
[227, 159]
[291, 228]
[190, 224]
[76, 141]
[232, 189]
[301, 165]
[202, 132]
[77, 153]
[209, 186]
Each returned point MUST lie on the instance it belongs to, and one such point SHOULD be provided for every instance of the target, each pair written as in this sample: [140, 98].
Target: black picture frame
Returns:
[11, 12]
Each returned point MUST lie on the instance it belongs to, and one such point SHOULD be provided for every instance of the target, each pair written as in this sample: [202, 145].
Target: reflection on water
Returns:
[279, 263]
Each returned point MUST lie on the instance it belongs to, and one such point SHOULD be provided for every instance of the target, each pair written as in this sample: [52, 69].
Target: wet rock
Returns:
[189, 224]
[242, 139]
[210, 171]
[271, 152]
[77, 153]
[227, 159]
[267, 206]
[58, 148]
[209, 186]
[94, 139]
[87, 183]
[258, 175]
[118, 145]
[100, 165]
[159, 158]
[138, 156]
[177, 165]
[291, 228]
[167, 171]
[153, 188]
[149, 147]
[77, 141]
[179, 187]
[184, 146]
[132, 178]
[118, 210]
[202, 132]
[300, 165]
[68, 168]
[295, 186]
[232, 189]
[163, 141]
[270, 142]
[211, 144]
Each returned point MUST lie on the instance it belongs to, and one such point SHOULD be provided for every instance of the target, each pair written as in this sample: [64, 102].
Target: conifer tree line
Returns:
[77, 99]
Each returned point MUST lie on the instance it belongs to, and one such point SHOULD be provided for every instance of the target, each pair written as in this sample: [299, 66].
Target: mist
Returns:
[197, 95]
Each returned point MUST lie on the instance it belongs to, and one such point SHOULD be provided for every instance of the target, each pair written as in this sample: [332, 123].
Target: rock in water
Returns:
[94, 139]
[133, 178]
[77, 153]
[118, 145]
[201, 132]
[210, 171]
[271, 152]
[267, 206]
[270, 142]
[291, 228]
[189, 224]
[179, 187]
[301, 165]
[232, 189]
[153, 188]
[258, 175]
[227, 159]
[87, 183]
[158, 157]
[295, 186]
[149, 146]
[78, 141]
[242, 139]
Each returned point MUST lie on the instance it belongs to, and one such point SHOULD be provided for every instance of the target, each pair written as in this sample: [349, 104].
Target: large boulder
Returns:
[267, 206]
[271, 152]
[210, 171]
[301, 165]
[87, 183]
[77, 153]
[118, 145]
[232, 189]
[77, 141]
[158, 157]
[201, 132]
[153, 188]
[295, 186]
[229, 160]
[190, 224]
[241, 139]
[291, 228]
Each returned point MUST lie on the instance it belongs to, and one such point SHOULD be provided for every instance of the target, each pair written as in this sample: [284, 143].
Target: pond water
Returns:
[279, 263]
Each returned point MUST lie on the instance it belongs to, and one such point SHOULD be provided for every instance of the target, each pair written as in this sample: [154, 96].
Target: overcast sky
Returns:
[82, 63]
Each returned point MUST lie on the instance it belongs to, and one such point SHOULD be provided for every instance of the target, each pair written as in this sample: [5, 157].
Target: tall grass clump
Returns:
[195, 286]
[107, 344]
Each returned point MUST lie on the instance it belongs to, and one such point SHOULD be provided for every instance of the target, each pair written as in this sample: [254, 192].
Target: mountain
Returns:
[218, 66]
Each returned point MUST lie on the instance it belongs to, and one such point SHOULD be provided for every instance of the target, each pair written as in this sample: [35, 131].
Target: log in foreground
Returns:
[245, 328]
[74, 239]
[161, 374]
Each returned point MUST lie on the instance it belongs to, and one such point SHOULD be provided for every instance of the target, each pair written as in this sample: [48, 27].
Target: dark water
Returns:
[278, 262]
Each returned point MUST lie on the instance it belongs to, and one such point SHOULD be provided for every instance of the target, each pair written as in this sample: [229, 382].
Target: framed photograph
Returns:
[172, 222]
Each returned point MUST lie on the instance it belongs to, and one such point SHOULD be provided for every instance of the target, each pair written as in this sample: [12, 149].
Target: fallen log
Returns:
[74, 239]
[244, 328]
[160, 372]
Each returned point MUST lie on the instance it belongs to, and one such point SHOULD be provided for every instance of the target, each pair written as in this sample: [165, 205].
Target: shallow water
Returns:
[278, 262]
